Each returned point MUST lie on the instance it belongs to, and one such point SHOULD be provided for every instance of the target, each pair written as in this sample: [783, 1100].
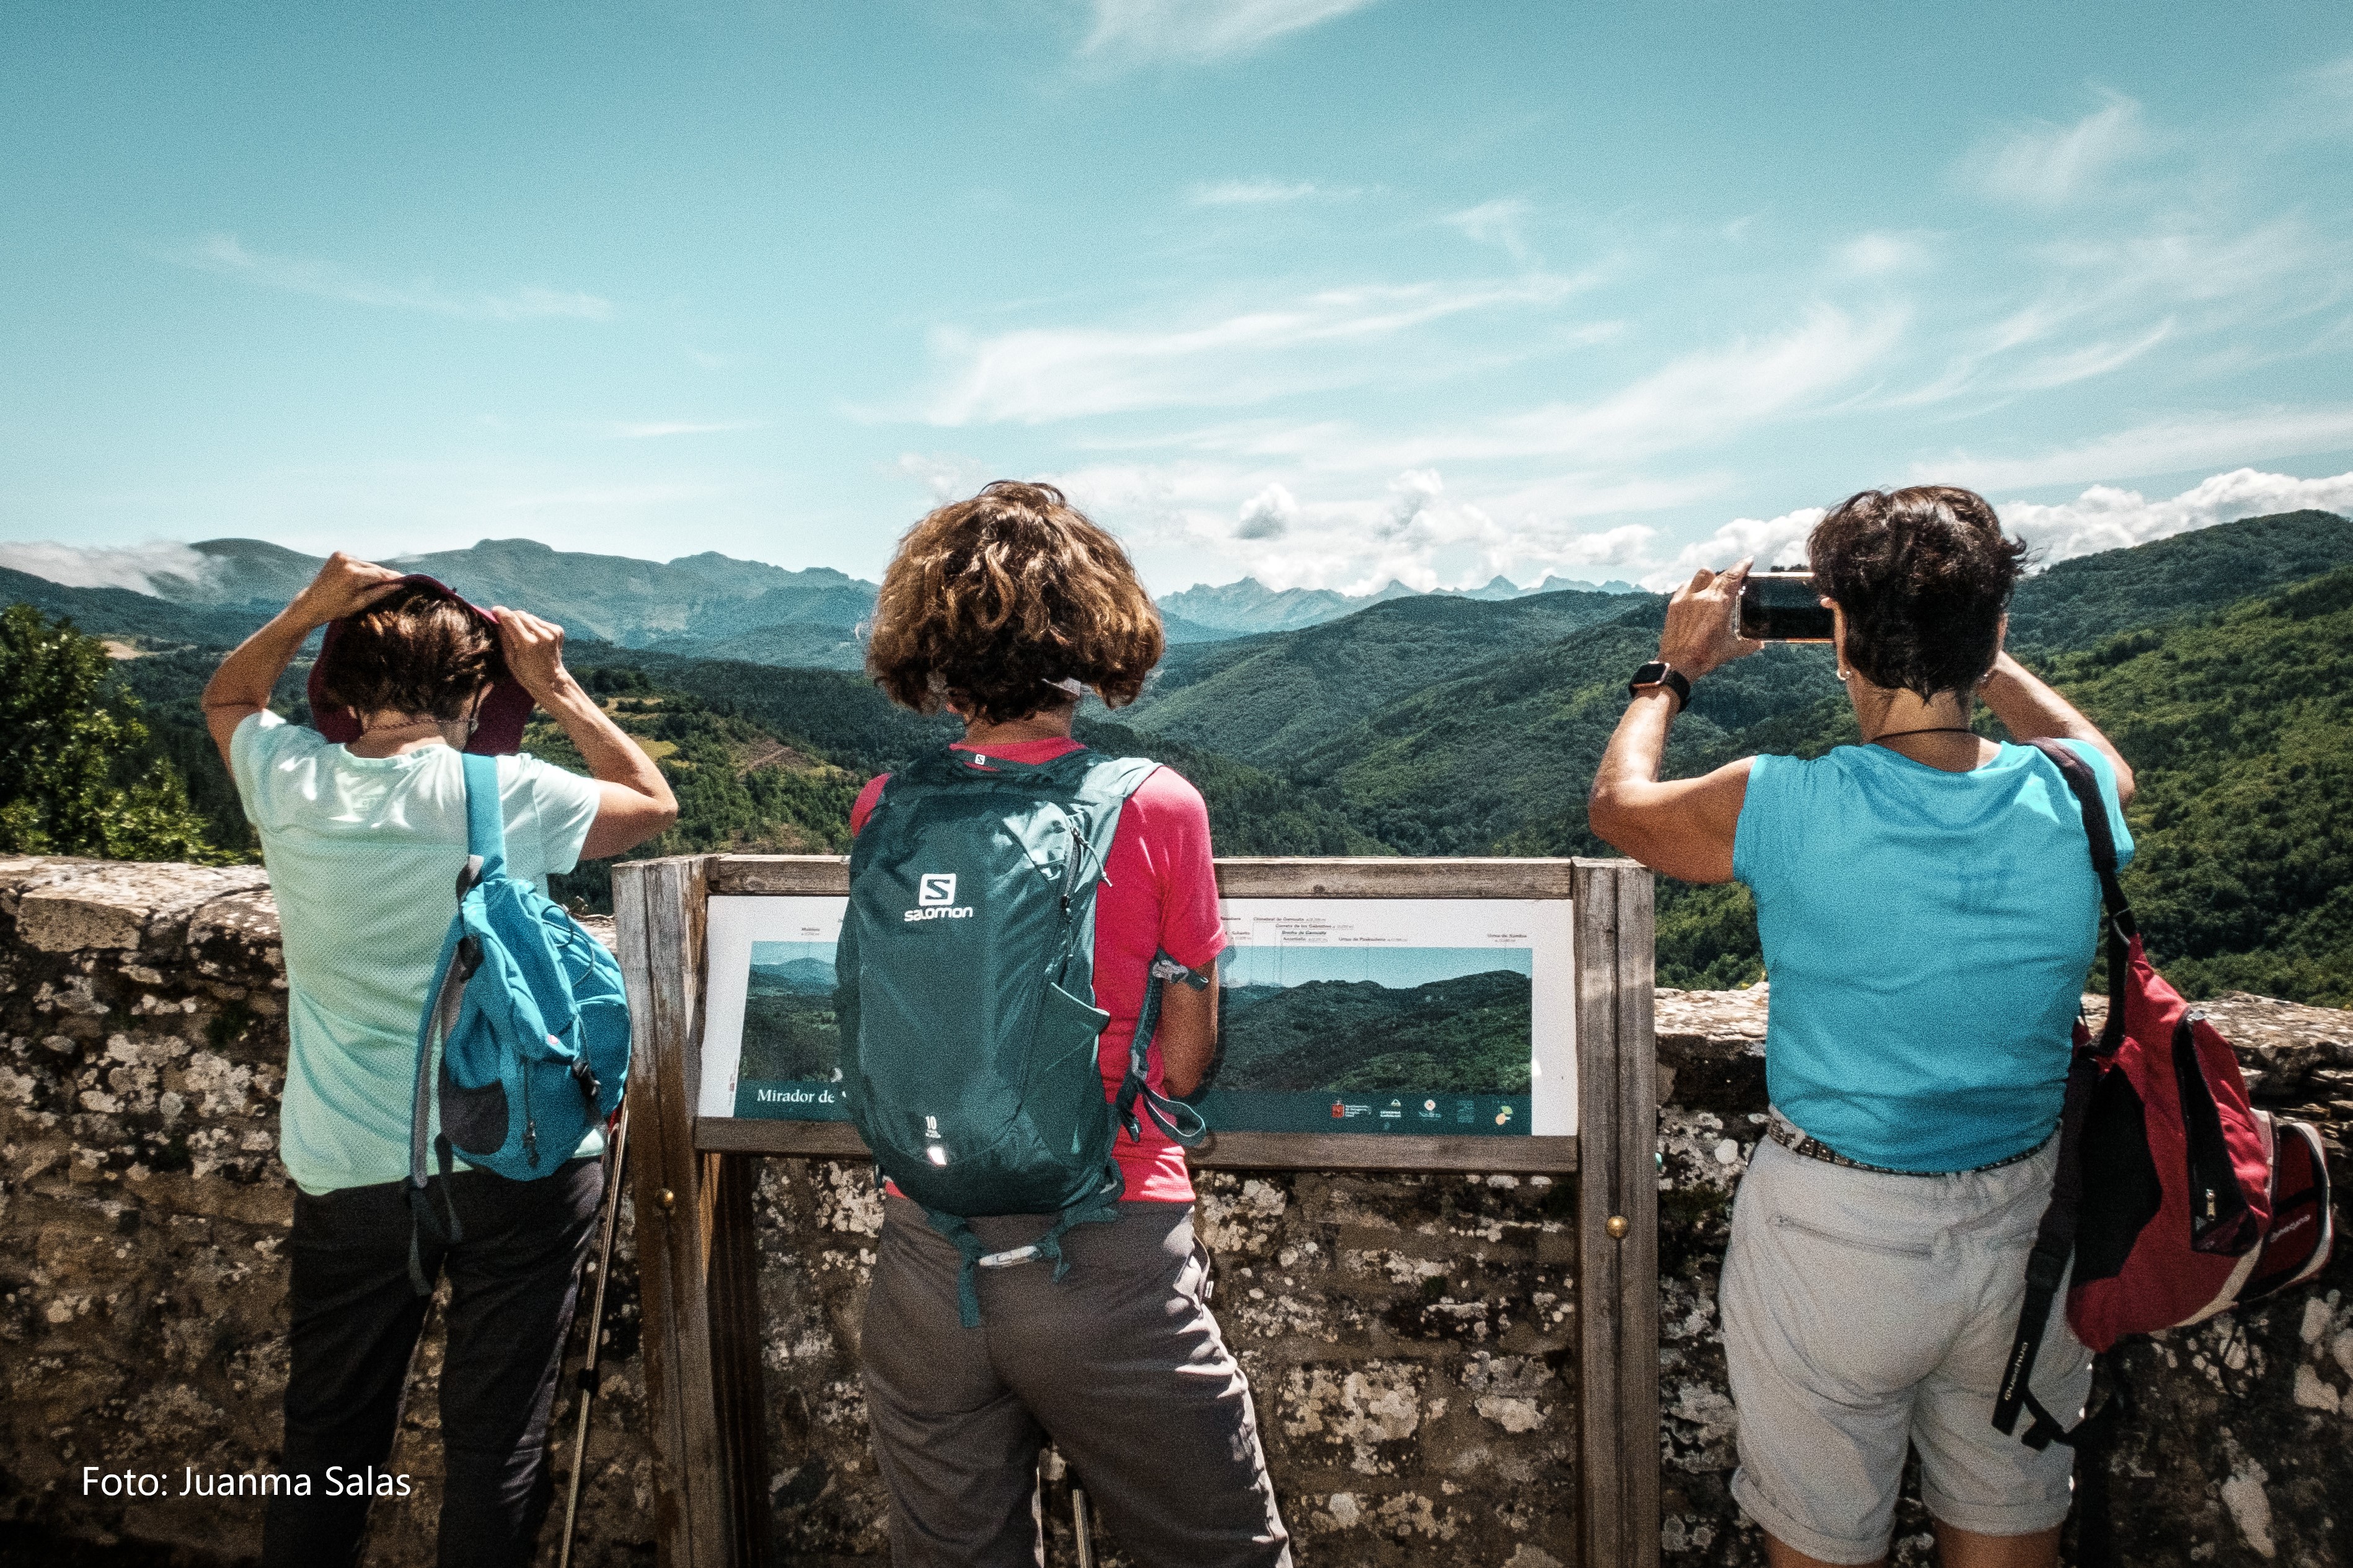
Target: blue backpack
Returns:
[528, 1024]
[966, 969]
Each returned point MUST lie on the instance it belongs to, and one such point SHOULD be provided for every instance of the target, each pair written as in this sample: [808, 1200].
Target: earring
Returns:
[1843, 673]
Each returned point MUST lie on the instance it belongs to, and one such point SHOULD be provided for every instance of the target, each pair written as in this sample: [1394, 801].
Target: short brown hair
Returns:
[1924, 575]
[988, 599]
[415, 650]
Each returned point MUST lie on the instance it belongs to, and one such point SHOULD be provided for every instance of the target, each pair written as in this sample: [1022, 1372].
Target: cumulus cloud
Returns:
[142, 568]
[1268, 514]
[1249, 193]
[2108, 518]
[224, 253]
[1195, 32]
[2048, 165]
[1773, 541]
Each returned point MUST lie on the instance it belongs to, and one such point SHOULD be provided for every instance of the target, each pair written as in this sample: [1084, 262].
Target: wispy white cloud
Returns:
[1699, 398]
[651, 429]
[1250, 193]
[2086, 361]
[1501, 222]
[224, 253]
[1036, 375]
[2159, 447]
[2048, 165]
[157, 568]
[1136, 32]
[1880, 255]
[2108, 518]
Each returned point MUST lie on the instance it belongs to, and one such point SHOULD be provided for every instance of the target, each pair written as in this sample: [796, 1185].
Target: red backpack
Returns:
[2175, 1197]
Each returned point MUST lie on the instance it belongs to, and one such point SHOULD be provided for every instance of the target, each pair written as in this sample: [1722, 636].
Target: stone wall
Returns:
[1409, 1339]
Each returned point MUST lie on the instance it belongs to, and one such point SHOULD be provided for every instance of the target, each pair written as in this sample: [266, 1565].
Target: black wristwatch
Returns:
[1658, 672]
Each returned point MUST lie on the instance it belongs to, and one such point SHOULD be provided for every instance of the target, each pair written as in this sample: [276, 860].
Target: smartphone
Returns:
[1783, 606]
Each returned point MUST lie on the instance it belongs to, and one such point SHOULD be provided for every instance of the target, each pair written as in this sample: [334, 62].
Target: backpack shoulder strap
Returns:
[2054, 1237]
[486, 826]
[2086, 785]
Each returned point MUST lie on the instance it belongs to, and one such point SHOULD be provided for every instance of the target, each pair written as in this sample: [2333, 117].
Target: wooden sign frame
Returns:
[692, 1178]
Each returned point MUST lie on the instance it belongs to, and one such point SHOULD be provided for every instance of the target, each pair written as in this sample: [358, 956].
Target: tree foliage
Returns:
[78, 775]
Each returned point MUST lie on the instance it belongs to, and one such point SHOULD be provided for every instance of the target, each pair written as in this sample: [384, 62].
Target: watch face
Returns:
[1650, 674]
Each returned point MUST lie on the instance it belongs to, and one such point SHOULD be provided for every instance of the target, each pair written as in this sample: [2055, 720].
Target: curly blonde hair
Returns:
[989, 600]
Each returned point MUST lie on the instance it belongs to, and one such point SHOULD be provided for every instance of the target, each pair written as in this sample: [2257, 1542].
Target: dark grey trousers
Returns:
[1121, 1364]
[356, 1317]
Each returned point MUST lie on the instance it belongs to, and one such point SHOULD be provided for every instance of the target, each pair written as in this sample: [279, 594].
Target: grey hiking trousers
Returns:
[1121, 1364]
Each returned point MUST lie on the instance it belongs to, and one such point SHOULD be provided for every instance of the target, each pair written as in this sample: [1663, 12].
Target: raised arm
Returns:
[635, 801]
[240, 687]
[2030, 711]
[1684, 827]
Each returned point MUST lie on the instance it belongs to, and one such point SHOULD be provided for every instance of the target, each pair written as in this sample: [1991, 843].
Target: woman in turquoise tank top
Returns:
[1927, 911]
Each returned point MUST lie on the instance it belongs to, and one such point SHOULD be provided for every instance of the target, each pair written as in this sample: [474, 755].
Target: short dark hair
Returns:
[415, 650]
[990, 598]
[1924, 575]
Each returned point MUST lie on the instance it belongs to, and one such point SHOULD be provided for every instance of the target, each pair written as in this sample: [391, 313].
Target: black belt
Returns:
[1796, 1140]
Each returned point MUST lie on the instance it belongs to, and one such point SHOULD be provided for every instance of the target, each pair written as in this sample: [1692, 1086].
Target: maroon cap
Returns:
[498, 723]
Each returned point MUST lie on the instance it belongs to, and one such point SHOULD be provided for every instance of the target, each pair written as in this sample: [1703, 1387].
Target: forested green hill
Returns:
[1270, 700]
[2239, 727]
[2078, 602]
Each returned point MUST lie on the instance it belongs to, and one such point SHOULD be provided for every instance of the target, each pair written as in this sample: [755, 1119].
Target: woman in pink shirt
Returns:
[1004, 609]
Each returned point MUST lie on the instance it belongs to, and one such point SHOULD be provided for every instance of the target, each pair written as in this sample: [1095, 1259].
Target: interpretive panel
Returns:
[1390, 1015]
[772, 1047]
[1355, 1016]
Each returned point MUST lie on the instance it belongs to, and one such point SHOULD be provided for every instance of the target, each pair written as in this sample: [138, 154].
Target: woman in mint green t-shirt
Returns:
[1927, 909]
[364, 835]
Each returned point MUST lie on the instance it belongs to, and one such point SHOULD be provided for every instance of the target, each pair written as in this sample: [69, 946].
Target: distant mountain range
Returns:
[708, 605]
[1239, 609]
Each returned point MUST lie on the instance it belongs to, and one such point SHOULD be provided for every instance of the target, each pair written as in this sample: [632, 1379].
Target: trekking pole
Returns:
[589, 1375]
[1081, 1528]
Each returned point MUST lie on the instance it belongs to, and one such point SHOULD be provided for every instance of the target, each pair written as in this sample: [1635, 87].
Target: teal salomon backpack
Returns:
[969, 1031]
[527, 1032]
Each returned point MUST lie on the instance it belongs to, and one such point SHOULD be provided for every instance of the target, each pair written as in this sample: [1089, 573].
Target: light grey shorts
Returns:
[1864, 1312]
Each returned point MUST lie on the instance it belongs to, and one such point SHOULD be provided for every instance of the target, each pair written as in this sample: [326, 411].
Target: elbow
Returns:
[1605, 816]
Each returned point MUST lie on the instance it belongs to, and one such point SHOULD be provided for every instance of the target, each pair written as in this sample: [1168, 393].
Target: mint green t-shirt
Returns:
[364, 855]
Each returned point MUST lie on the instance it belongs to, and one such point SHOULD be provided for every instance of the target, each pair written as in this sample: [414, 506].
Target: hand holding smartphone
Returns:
[1783, 606]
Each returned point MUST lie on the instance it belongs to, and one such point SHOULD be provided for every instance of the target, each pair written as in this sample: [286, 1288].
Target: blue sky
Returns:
[1323, 291]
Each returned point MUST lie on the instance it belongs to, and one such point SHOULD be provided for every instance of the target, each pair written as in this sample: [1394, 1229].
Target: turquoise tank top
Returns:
[1926, 935]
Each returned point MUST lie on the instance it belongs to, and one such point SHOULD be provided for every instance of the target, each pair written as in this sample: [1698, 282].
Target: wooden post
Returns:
[697, 1267]
[1618, 1214]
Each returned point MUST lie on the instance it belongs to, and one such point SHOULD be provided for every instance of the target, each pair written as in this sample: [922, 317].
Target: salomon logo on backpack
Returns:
[526, 1033]
[969, 1033]
[2175, 1198]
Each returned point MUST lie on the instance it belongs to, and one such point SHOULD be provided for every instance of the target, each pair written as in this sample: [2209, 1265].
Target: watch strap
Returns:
[1660, 673]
